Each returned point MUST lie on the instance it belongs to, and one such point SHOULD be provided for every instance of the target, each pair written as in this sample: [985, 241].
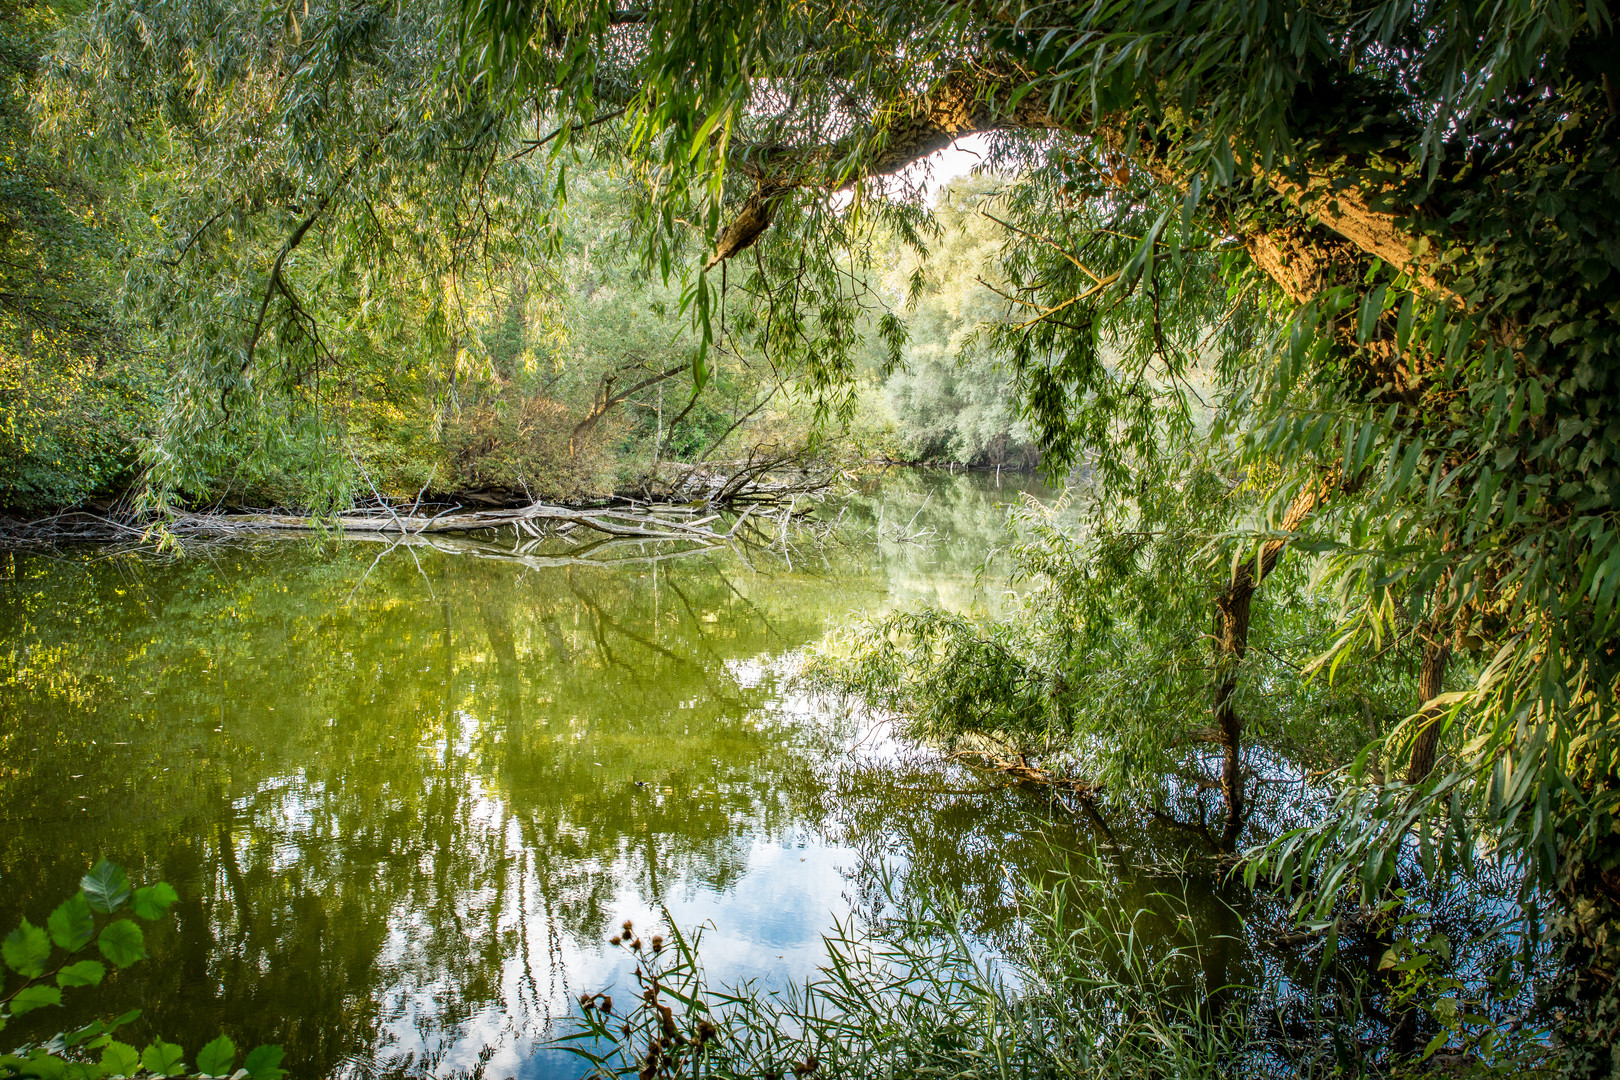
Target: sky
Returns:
[940, 168]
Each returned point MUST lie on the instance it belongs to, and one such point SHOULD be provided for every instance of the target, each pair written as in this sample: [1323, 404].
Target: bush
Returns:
[523, 445]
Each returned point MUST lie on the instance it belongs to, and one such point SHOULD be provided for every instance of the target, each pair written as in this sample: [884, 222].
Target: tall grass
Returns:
[1086, 988]
[1094, 992]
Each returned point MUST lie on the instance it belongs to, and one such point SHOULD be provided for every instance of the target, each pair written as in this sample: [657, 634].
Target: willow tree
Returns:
[1422, 195]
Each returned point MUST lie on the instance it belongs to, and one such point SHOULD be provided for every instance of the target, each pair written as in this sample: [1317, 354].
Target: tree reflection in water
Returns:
[403, 806]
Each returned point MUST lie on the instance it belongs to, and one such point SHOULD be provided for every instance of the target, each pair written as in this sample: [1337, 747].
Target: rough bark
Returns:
[1300, 256]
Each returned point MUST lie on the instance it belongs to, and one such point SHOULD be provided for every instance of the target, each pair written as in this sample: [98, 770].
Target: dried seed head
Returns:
[636, 944]
[625, 1030]
[658, 942]
[625, 936]
[585, 1002]
[627, 927]
[606, 1005]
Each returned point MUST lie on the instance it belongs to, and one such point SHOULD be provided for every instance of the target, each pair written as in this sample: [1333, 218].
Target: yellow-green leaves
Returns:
[119, 1059]
[163, 1059]
[217, 1058]
[153, 901]
[83, 973]
[34, 997]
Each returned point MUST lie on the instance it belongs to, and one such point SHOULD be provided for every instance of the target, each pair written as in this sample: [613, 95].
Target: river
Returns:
[405, 795]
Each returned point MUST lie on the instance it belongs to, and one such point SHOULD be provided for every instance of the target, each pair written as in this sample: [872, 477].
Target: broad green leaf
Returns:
[30, 998]
[84, 973]
[264, 1063]
[26, 949]
[71, 924]
[40, 1063]
[153, 901]
[120, 1059]
[165, 1059]
[217, 1058]
[122, 943]
[106, 887]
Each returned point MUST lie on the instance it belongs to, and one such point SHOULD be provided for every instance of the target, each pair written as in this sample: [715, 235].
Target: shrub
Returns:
[523, 445]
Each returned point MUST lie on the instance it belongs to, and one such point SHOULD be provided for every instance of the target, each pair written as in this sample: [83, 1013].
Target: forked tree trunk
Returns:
[1231, 645]
[607, 399]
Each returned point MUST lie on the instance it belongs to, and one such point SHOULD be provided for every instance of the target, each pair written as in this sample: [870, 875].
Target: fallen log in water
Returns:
[534, 520]
[688, 508]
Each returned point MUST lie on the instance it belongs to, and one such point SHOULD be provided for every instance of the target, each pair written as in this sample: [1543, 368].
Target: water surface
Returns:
[404, 793]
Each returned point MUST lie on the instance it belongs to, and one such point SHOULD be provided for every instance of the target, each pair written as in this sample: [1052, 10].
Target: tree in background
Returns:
[954, 398]
[73, 399]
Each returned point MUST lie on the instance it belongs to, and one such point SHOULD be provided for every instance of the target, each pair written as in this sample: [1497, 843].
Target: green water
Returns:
[405, 793]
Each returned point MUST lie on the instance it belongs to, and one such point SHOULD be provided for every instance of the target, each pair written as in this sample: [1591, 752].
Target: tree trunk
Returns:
[1231, 643]
[1436, 652]
[1232, 611]
[605, 401]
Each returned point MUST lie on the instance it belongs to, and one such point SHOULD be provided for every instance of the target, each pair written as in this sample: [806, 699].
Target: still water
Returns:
[405, 794]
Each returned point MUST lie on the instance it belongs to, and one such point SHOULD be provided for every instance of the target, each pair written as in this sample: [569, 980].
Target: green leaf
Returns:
[106, 887]
[217, 1058]
[154, 901]
[30, 998]
[264, 1063]
[165, 1059]
[1371, 308]
[41, 1063]
[71, 924]
[122, 943]
[26, 949]
[84, 973]
[120, 1059]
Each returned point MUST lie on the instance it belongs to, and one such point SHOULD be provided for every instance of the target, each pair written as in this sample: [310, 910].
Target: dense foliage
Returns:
[72, 398]
[1402, 210]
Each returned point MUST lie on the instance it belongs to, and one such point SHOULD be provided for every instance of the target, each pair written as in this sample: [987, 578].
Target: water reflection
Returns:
[404, 798]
